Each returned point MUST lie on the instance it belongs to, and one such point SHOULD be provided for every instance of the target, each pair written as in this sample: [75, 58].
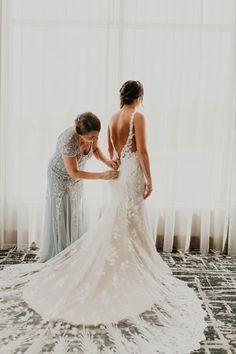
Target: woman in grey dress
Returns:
[65, 219]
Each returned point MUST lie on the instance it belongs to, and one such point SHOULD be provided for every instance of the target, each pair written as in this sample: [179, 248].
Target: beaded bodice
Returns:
[67, 146]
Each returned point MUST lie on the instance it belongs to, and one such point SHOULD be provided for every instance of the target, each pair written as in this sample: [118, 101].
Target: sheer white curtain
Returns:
[62, 57]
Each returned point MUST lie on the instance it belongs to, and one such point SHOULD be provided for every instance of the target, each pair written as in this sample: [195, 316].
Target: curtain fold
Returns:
[62, 57]
[3, 83]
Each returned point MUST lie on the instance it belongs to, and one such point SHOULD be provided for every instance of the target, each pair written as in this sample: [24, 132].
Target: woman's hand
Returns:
[113, 164]
[147, 189]
[111, 174]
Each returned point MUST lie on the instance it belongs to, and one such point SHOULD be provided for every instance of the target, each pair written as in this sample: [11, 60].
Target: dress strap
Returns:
[127, 149]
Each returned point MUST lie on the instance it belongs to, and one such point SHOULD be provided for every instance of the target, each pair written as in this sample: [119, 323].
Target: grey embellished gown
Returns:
[65, 219]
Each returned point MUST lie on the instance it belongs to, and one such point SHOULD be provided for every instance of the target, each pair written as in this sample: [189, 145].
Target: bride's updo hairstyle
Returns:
[87, 122]
[130, 91]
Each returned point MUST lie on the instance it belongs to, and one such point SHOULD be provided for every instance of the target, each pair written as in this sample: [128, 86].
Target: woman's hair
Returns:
[130, 91]
[87, 122]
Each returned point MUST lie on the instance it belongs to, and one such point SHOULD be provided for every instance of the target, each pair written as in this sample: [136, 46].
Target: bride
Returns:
[110, 291]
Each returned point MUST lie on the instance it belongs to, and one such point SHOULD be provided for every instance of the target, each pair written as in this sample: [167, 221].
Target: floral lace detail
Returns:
[127, 149]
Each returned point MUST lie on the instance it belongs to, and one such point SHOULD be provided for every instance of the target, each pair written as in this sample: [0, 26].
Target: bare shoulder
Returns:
[139, 119]
[138, 114]
[113, 117]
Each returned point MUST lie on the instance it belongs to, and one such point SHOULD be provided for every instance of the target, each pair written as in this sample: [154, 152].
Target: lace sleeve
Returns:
[68, 150]
[67, 146]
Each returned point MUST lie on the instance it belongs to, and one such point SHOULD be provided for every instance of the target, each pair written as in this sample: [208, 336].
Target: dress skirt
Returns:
[65, 218]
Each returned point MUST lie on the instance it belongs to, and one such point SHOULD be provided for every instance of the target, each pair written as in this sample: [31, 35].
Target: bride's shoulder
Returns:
[139, 115]
[113, 117]
[139, 118]
[116, 114]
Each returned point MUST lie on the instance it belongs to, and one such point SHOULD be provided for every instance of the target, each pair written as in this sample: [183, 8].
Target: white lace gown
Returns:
[111, 287]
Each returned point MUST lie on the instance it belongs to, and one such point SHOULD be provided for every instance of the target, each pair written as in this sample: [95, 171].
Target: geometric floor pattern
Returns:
[213, 277]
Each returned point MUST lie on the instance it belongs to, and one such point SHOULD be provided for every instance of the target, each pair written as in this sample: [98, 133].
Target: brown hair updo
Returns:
[130, 91]
[87, 122]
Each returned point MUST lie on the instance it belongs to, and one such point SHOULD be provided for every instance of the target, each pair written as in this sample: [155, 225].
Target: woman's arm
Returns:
[71, 167]
[110, 146]
[140, 136]
[99, 155]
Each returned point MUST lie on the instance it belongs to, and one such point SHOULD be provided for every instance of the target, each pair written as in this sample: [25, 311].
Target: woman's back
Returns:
[120, 126]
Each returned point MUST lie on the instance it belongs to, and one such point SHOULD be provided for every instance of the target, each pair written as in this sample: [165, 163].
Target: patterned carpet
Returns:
[214, 279]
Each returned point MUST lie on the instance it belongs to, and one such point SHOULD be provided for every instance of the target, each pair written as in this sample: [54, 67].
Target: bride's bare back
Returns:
[119, 131]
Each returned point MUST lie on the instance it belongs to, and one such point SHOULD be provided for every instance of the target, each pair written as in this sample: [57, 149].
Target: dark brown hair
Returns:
[87, 122]
[130, 91]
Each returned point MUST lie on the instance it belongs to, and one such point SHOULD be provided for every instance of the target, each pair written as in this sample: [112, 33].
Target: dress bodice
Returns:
[67, 146]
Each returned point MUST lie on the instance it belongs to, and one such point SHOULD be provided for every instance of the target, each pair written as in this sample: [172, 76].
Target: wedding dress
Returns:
[108, 292]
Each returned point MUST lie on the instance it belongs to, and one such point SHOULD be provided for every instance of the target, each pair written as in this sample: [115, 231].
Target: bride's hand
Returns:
[147, 190]
[111, 174]
[113, 164]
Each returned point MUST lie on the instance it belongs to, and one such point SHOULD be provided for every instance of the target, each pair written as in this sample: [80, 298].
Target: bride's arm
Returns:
[140, 137]
[110, 146]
